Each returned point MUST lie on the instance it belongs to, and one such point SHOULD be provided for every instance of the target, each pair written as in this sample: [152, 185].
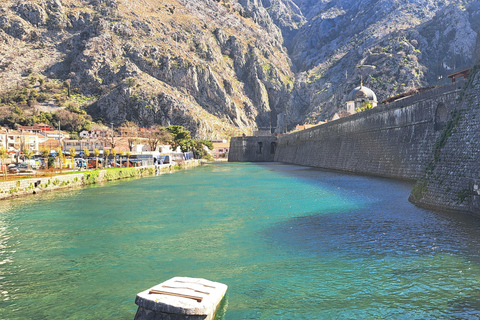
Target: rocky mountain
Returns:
[393, 45]
[225, 67]
[217, 68]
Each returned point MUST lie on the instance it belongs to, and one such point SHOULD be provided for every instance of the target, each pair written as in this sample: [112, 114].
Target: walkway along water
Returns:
[18, 188]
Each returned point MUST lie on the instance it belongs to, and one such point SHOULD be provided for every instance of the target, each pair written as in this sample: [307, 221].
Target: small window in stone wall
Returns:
[273, 147]
[260, 147]
[441, 116]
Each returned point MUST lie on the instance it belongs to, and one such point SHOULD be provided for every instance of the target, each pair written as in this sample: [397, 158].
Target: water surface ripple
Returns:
[290, 242]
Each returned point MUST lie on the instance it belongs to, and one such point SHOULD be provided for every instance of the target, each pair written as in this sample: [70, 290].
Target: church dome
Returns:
[362, 92]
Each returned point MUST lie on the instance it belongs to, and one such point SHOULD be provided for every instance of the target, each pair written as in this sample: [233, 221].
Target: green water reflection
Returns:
[290, 242]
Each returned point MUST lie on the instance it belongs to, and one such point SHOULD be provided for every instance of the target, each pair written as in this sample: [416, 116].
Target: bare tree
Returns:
[132, 130]
[114, 155]
[132, 141]
[157, 135]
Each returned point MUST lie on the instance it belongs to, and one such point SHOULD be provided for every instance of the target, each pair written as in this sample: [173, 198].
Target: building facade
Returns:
[16, 142]
[80, 145]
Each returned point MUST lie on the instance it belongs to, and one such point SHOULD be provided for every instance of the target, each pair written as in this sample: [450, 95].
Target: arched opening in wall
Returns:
[260, 147]
[273, 147]
[441, 116]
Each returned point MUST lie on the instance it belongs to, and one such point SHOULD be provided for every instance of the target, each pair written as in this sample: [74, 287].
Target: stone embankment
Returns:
[23, 187]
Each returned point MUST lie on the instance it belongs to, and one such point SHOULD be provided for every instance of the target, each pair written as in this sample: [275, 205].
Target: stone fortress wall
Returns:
[252, 149]
[392, 140]
[451, 179]
[398, 140]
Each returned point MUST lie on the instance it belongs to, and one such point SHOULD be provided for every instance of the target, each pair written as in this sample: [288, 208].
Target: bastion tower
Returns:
[358, 97]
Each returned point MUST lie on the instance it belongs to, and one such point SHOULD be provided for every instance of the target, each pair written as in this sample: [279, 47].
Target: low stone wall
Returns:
[10, 189]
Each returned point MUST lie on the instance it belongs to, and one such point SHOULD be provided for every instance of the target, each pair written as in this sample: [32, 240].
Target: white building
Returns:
[15, 141]
[79, 145]
[358, 96]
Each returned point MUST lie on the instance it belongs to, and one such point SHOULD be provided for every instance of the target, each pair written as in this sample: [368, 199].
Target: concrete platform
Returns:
[180, 298]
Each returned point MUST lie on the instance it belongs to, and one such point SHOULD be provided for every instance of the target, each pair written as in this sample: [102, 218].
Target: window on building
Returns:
[273, 147]
[260, 147]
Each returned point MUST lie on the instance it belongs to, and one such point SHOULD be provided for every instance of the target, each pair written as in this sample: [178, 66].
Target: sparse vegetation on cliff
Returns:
[221, 68]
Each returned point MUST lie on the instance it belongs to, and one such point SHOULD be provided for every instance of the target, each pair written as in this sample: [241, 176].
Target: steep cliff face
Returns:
[287, 16]
[217, 68]
[393, 45]
[226, 67]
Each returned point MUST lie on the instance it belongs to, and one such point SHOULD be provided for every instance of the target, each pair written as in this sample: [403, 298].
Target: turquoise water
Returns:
[290, 242]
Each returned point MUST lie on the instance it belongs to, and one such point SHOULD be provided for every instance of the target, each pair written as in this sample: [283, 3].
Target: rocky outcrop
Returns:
[226, 64]
[395, 46]
[217, 68]
[15, 27]
[287, 16]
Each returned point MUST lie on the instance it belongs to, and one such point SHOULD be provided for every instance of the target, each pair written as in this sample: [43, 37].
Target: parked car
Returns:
[32, 162]
[18, 168]
[92, 163]
[112, 164]
[12, 168]
[127, 163]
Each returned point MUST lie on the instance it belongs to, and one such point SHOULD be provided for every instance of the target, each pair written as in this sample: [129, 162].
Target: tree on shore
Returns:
[96, 152]
[86, 153]
[3, 156]
[200, 151]
[157, 135]
[120, 156]
[106, 153]
[73, 153]
[60, 157]
[128, 154]
[181, 138]
[132, 129]
[27, 153]
[45, 153]
[132, 142]
[114, 155]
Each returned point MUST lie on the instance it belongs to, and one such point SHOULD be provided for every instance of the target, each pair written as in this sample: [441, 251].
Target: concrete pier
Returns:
[180, 298]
